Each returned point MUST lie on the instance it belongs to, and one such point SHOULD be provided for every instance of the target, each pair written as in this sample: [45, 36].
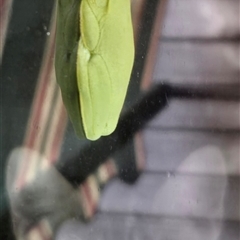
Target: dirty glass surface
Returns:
[171, 168]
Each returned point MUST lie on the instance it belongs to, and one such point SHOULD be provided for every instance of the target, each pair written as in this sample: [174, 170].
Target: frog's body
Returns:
[98, 51]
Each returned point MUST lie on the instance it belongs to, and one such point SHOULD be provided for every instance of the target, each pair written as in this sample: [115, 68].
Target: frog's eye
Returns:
[89, 26]
[102, 3]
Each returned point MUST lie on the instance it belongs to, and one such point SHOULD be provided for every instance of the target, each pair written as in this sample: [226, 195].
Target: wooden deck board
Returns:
[192, 152]
[178, 195]
[135, 227]
[194, 62]
[205, 18]
[198, 114]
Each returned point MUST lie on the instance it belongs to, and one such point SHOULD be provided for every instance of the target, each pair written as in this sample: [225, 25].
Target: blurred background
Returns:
[178, 178]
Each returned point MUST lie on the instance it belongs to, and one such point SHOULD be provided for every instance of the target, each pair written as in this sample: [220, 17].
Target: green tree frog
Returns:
[93, 61]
